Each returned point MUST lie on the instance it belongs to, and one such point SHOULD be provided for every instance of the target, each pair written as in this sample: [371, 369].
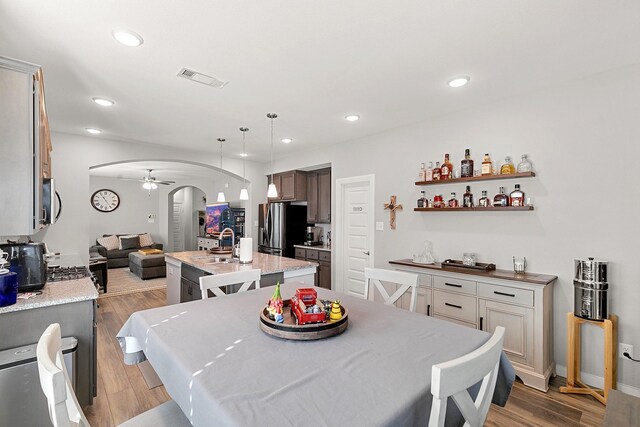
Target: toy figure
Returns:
[336, 312]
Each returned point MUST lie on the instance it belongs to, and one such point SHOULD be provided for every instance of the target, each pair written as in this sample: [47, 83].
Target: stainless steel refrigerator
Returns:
[280, 226]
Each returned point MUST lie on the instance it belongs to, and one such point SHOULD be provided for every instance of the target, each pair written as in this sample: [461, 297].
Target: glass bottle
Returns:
[525, 165]
[507, 168]
[466, 165]
[422, 200]
[453, 202]
[487, 165]
[429, 176]
[501, 199]
[438, 201]
[467, 198]
[484, 200]
[516, 198]
[447, 168]
[422, 174]
[436, 172]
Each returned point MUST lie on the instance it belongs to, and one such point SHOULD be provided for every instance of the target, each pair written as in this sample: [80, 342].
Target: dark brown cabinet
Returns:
[291, 186]
[319, 196]
[323, 258]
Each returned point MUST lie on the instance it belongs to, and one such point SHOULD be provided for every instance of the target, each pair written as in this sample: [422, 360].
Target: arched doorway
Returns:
[185, 205]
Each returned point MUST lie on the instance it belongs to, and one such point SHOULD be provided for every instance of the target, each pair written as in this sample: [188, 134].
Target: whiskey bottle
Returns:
[453, 202]
[525, 165]
[501, 199]
[429, 176]
[447, 168]
[487, 165]
[467, 198]
[422, 200]
[422, 174]
[436, 172]
[466, 165]
[516, 198]
[438, 201]
[484, 200]
[507, 168]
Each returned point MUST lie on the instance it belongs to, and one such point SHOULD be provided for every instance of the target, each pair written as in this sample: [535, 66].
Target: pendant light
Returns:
[272, 191]
[244, 194]
[221, 197]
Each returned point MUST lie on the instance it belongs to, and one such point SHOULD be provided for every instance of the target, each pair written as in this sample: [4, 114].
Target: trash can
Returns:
[23, 403]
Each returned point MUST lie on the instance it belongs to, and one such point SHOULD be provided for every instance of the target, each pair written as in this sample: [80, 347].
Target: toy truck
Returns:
[301, 307]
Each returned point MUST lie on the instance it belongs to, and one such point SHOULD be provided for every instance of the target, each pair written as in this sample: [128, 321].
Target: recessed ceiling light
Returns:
[244, 154]
[459, 81]
[93, 131]
[127, 38]
[286, 140]
[352, 117]
[103, 101]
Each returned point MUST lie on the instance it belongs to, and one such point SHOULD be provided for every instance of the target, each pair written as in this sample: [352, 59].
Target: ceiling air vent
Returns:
[195, 76]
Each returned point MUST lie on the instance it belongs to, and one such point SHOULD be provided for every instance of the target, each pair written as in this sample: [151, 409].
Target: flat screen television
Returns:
[218, 217]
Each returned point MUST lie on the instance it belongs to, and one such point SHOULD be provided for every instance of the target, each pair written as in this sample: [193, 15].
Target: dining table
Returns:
[222, 369]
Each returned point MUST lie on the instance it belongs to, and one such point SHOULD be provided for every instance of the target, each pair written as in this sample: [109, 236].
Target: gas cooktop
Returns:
[58, 274]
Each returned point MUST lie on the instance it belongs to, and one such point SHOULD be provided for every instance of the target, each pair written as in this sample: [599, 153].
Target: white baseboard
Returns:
[596, 381]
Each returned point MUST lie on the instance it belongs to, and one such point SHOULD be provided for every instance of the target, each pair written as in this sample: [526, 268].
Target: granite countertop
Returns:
[267, 263]
[319, 247]
[56, 293]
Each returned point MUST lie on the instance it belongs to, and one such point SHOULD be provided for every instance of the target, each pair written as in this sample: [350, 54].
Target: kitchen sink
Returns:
[214, 259]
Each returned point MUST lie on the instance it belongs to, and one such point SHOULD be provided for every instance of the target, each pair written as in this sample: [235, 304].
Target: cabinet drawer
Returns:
[455, 285]
[312, 254]
[461, 307]
[506, 294]
[300, 253]
[459, 322]
[324, 256]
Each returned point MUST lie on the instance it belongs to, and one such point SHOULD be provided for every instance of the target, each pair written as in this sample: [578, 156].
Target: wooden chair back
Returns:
[455, 377]
[375, 277]
[214, 282]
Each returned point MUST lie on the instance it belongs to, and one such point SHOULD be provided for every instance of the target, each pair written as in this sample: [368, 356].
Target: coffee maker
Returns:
[28, 261]
[313, 236]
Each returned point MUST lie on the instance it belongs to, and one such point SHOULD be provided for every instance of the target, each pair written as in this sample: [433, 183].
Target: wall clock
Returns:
[105, 200]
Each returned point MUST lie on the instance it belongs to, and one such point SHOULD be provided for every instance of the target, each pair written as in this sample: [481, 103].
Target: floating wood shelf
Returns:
[492, 209]
[478, 178]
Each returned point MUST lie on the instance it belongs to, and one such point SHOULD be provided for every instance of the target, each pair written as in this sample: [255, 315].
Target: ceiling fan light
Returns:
[272, 191]
[154, 186]
[244, 194]
[221, 197]
[147, 186]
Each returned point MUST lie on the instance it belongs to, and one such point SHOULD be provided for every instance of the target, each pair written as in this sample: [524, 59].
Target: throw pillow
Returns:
[109, 242]
[129, 242]
[146, 240]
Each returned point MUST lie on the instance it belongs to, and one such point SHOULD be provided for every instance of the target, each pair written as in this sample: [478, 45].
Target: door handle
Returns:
[365, 252]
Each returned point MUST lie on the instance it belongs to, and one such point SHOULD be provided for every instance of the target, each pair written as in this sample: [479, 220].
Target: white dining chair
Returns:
[375, 276]
[64, 410]
[455, 377]
[214, 282]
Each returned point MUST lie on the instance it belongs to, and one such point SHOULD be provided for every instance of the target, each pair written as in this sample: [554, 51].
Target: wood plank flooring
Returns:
[123, 393]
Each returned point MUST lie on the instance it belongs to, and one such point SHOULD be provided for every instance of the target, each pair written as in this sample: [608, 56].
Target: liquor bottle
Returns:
[484, 200]
[436, 172]
[525, 165]
[487, 165]
[516, 198]
[422, 174]
[507, 168]
[467, 198]
[430, 203]
[438, 201]
[429, 176]
[422, 200]
[501, 199]
[453, 202]
[466, 165]
[447, 168]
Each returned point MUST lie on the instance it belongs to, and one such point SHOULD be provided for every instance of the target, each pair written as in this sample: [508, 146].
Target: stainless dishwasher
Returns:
[23, 402]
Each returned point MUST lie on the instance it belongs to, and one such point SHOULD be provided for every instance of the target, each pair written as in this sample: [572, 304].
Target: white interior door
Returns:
[177, 230]
[355, 225]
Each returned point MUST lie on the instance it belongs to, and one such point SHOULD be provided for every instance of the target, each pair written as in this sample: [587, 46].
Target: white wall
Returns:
[130, 217]
[583, 139]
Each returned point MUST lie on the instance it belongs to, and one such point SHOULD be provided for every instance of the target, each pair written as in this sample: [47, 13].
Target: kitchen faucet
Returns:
[233, 242]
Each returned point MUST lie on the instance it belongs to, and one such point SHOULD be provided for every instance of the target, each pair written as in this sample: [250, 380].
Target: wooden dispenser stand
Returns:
[574, 384]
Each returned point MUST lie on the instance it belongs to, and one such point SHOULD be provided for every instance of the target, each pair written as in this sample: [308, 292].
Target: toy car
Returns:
[306, 308]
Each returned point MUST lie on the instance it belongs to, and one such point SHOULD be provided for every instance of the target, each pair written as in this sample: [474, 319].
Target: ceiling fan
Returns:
[150, 182]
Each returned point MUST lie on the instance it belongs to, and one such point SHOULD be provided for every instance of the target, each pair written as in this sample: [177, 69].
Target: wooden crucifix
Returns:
[392, 207]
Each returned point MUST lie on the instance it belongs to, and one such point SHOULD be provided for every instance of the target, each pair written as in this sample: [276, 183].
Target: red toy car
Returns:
[306, 297]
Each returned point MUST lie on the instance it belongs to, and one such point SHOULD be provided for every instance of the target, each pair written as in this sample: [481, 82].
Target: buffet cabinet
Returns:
[523, 308]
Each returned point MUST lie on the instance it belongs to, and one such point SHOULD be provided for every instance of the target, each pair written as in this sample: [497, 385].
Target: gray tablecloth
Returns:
[222, 370]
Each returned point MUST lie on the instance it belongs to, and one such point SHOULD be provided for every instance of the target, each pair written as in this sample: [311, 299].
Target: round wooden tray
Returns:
[220, 251]
[312, 331]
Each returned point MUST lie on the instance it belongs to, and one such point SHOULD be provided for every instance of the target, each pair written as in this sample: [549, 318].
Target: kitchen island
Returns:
[185, 268]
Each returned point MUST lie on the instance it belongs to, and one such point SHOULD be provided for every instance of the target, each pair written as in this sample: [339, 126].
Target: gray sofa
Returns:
[117, 258]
